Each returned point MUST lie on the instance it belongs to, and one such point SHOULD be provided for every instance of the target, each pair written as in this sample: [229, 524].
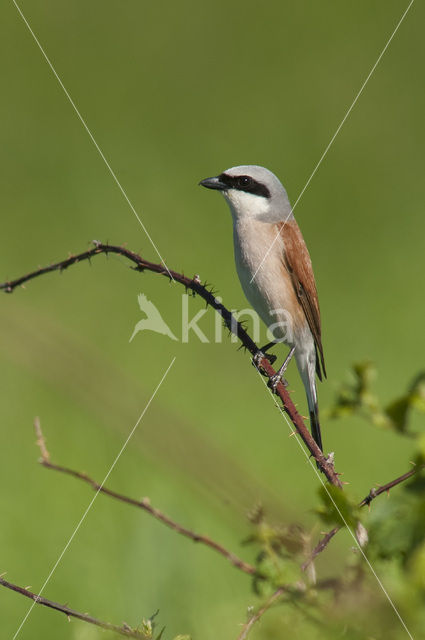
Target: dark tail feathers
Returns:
[315, 426]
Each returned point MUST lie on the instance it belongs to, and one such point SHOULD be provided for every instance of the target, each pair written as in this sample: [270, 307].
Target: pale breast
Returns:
[271, 292]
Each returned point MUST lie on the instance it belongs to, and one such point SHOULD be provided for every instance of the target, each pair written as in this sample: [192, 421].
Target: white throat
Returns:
[245, 205]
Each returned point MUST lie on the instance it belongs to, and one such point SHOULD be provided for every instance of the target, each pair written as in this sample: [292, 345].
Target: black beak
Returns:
[214, 183]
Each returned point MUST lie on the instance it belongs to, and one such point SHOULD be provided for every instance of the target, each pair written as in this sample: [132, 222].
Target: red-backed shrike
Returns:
[275, 270]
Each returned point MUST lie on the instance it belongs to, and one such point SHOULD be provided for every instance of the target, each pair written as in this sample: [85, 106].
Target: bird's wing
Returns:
[297, 261]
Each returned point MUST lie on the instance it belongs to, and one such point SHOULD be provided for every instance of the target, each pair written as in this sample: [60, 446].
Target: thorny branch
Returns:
[374, 493]
[124, 630]
[145, 505]
[326, 464]
[194, 284]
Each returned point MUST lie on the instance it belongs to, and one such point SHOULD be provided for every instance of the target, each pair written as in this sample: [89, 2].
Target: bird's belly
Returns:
[266, 283]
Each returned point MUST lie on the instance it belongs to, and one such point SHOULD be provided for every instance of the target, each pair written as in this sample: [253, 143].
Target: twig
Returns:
[248, 626]
[145, 505]
[374, 493]
[125, 630]
[322, 544]
[194, 284]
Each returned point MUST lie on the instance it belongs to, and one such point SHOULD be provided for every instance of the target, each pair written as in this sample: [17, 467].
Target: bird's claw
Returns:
[274, 381]
[256, 360]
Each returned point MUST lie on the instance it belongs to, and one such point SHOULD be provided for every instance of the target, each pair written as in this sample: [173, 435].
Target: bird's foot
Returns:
[274, 381]
[256, 360]
[278, 377]
[260, 355]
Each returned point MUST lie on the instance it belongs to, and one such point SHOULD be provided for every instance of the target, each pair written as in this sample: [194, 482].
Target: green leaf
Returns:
[417, 567]
[397, 411]
[160, 634]
[337, 507]
[356, 398]
[146, 627]
[397, 525]
[421, 446]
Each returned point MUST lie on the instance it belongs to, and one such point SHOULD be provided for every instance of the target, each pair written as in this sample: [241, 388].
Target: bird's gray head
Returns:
[252, 192]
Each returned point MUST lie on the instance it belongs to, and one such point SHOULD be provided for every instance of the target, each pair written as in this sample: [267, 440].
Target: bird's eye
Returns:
[244, 181]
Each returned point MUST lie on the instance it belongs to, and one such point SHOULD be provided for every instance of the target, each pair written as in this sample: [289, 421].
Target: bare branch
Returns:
[248, 626]
[145, 505]
[125, 630]
[194, 284]
[374, 493]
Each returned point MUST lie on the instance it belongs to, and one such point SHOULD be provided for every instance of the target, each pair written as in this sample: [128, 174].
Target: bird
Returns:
[275, 272]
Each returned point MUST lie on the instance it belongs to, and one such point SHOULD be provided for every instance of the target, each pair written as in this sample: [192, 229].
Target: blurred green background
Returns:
[175, 92]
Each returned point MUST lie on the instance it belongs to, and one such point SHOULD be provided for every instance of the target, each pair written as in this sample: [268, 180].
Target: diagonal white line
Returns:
[341, 124]
[83, 122]
[94, 498]
[313, 466]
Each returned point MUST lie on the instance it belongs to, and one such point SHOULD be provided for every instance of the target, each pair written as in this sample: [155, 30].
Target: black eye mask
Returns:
[245, 183]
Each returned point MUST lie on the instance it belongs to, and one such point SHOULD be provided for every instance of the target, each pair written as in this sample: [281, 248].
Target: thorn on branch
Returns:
[234, 327]
[385, 488]
[144, 504]
[63, 608]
